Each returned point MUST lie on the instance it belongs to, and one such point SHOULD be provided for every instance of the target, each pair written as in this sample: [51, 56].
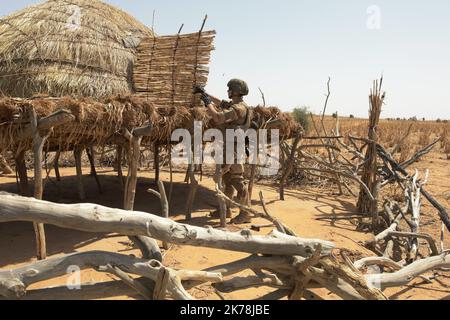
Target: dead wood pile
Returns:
[395, 220]
[282, 260]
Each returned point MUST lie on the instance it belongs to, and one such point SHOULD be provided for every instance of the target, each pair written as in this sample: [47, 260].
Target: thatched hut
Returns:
[80, 73]
[77, 48]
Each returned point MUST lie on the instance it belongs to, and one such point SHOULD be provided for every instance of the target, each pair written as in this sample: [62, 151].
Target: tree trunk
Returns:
[95, 218]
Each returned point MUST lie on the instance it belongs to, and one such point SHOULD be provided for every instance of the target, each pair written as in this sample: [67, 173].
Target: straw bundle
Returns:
[99, 122]
[95, 122]
[369, 177]
[287, 125]
[69, 47]
[168, 67]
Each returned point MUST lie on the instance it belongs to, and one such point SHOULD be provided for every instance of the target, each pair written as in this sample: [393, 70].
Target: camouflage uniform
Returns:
[236, 116]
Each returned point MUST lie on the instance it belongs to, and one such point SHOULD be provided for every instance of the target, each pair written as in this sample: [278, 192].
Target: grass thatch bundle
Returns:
[369, 177]
[286, 123]
[168, 67]
[99, 122]
[77, 48]
[95, 122]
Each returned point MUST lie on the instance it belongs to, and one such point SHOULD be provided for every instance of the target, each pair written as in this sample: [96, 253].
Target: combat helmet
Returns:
[239, 86]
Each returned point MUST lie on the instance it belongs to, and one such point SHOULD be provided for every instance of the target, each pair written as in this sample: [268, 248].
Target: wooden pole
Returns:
[38, 146]
[193, 186]
[22, 173]
[222, 203]
[251, 183]
[90, 154]
[157, 169]
[290, 165]
[119, 158]
[133, 158]
[147, 245]
[78, 151]
[56, 165]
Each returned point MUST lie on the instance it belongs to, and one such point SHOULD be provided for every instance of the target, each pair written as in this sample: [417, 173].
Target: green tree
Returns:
[302, 116]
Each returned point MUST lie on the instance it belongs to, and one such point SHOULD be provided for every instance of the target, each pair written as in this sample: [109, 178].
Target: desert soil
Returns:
[299, 211]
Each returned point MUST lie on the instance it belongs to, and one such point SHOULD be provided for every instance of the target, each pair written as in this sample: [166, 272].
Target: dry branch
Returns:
[13, 283]
[409, 273]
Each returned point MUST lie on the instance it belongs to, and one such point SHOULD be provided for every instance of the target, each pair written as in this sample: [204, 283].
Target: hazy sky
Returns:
[289, 48]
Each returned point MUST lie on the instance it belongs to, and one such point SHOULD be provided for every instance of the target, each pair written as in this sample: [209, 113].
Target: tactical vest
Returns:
[244, 119]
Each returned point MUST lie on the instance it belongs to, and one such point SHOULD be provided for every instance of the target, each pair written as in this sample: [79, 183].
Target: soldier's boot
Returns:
[244, 217]
[216, 214]
[229, 192]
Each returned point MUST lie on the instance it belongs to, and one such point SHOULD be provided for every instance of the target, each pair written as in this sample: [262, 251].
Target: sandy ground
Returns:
[299, 211]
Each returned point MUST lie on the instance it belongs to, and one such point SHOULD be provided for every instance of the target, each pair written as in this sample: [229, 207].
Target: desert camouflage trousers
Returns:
[233, 179]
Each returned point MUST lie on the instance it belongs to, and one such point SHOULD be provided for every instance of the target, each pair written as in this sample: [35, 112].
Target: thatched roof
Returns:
[69, 47]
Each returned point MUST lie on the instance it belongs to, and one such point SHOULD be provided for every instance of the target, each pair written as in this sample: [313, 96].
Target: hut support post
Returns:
[156, 165]
[148, 246]
[251, 183]
[22, 173]
[56, 165]
[171, 175]
[253, 175]
[290, 165]
[193, 186]
[38, 146]
[78, 151]
[119, 158]
[222, 203]
[133, 158]
[90, 154]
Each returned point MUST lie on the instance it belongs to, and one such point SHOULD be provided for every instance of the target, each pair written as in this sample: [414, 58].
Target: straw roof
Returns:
[69, 47]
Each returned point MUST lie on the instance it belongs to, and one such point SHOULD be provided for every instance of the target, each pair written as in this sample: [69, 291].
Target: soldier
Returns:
[231, 115]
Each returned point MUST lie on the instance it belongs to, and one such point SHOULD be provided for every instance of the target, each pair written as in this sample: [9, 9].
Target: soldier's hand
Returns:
[199, 89]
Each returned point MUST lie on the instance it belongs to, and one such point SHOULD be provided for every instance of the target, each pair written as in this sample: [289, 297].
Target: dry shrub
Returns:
[424, 138]
[444, 138]
[446, 146]
[405, 151]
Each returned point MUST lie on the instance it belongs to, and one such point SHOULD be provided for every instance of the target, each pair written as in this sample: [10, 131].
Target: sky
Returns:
[289, 48]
